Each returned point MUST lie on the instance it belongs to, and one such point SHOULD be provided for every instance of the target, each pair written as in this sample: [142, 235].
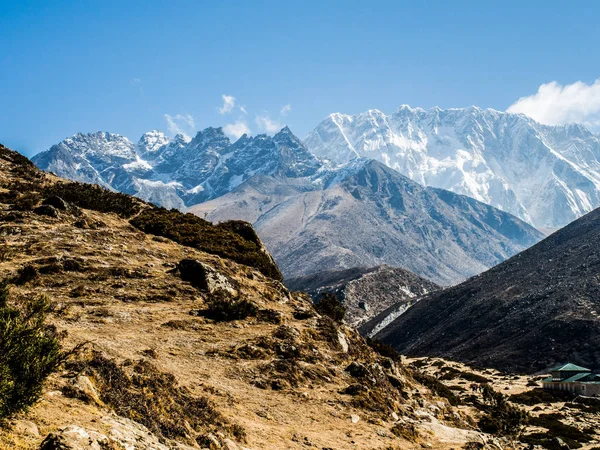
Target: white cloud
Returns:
[554, 104]
[236, 129]
[243, 109]
[285, 110]
[268, 125]
[180, 124]
[228, 104]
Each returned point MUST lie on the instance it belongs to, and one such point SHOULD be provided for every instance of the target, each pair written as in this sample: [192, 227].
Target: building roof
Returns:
[569, 368]
[576, 377]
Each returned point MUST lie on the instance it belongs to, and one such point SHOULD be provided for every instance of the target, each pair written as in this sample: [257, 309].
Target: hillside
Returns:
[366, 214]
[187, 343]
[365, 292]
[546, 175]
[538, 309]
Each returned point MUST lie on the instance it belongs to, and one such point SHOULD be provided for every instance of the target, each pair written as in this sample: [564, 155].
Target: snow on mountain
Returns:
[546, 175]
[176, 172]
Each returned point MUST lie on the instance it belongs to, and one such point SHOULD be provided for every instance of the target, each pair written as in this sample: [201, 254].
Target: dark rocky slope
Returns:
[539, 308]
[366, 292]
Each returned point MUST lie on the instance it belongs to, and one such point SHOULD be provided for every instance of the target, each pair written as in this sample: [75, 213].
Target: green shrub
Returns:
[436, 386]
[328, 305]
[90, 196]
[231, 241]
[29, 351]
[502, 418]
[384, 350]
[223, 308]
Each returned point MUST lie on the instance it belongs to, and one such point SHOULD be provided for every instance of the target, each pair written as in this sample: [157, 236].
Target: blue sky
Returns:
[124, 66]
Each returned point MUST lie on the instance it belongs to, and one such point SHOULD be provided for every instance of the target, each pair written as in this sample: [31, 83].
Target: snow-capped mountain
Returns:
[176, 172]
[546, 175]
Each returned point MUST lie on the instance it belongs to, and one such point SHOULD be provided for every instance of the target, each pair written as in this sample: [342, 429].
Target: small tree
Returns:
[502, 418]
[329, 305]
[29, 351]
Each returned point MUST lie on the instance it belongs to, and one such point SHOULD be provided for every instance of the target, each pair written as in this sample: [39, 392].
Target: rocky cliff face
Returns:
[545, 175]
[177, 172]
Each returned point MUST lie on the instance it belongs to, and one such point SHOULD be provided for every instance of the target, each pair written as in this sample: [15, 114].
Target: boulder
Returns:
[82, 387]
[56, 202]
[73, 437]
[203, 277]
[26, 428]
[46, 210]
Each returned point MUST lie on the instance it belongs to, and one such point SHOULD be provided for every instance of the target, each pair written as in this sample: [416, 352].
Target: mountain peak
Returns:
[456, 148]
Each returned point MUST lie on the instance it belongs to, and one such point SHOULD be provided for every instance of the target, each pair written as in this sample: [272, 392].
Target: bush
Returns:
[502, 418]
[406, 431]
[222, 308]
[90, 196]
[437, 387]
[29, 351]
[384, 350]
[231, 241]
[328, 305]
[140, 392]
[25, 275]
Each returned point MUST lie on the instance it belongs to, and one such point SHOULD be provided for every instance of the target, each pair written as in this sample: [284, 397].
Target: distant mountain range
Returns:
[546, 175]
[538, 309]
[312, 216]
[178, 172]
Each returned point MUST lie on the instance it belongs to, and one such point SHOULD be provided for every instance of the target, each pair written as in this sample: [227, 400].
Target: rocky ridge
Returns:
[366, 214]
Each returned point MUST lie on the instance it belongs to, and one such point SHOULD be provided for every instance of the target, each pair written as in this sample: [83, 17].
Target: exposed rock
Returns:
[131, 435]
[365, 292]
[82, 387]
[228, 444]
[47, 210]
[204, 277]
[57, 202]
[26, 428]
[73, 437]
